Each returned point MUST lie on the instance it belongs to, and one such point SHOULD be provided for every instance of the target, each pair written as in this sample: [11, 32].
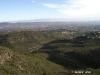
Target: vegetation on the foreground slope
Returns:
[48, 53]
[20, 64]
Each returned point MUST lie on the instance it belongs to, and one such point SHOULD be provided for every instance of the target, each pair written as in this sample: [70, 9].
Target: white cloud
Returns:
[78, 8]
[82, 8]
[51, 5]
[56, 6]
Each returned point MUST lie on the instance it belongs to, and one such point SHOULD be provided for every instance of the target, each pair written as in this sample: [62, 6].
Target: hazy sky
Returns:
[12, 10]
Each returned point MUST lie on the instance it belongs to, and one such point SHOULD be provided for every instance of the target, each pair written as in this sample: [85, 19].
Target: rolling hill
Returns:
[48, 53]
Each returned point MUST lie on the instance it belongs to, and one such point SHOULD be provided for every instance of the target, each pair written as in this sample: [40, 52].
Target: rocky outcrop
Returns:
[5, 54]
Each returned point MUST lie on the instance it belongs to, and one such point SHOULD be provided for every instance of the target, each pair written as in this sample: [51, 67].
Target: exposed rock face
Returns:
[5, 54]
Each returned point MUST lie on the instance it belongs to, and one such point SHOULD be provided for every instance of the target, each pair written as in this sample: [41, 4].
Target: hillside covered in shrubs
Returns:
[49, 53]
